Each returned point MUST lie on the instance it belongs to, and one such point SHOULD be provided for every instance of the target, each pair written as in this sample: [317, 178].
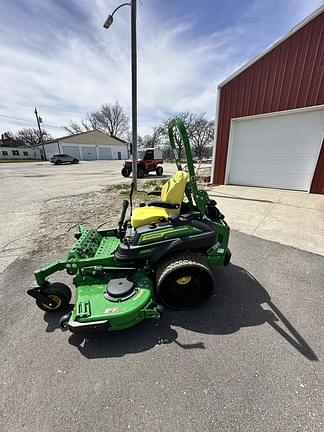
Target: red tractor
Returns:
[148, 160]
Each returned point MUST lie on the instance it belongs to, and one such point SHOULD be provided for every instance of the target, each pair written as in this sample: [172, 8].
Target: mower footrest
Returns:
[79, 327]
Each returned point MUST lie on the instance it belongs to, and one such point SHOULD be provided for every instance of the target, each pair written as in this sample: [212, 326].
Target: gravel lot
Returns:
[251, 360]
[26, 190]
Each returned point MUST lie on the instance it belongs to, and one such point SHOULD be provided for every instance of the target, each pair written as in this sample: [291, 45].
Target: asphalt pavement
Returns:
[250, 360]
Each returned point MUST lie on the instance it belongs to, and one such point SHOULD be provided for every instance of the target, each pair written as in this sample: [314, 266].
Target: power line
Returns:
[14, 118]
[28, 121]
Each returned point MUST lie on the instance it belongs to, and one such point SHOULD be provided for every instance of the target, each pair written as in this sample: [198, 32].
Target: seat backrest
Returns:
[173, 190]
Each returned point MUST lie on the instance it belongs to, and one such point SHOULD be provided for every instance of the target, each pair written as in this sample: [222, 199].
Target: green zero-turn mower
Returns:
[162, 256]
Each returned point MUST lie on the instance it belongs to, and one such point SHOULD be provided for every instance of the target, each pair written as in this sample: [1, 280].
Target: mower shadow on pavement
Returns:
[240, 304]
[53, 319]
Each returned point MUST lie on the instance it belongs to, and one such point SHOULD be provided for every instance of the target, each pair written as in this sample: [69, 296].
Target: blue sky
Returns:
[55, 55]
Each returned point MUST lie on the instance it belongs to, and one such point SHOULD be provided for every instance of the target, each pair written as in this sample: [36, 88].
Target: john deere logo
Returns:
[111, 310]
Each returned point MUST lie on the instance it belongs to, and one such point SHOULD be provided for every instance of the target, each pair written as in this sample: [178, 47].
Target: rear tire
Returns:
[125, 172]
[75, 161]
[159, 171]
[59, 293]
[184, 281]
[140, 172]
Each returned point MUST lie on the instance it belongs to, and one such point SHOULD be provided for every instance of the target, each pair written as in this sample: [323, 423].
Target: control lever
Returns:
[122, 215]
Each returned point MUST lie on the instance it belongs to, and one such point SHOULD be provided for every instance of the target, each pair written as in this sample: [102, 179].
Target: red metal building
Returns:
[270, 115]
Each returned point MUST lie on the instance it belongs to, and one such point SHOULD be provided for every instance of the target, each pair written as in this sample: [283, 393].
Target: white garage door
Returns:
[105, 153]
[89, 153]
[73, 151]
[278, 151]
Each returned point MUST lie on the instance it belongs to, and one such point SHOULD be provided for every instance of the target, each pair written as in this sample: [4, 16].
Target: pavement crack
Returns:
[264, 218]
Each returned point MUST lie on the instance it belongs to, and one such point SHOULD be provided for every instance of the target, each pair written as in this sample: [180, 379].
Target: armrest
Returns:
[163, 204]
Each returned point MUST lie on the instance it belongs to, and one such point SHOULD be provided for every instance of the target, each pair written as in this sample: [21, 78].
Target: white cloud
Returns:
[78, 70]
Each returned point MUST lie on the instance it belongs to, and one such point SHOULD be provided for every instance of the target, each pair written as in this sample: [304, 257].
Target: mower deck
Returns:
[95, 304]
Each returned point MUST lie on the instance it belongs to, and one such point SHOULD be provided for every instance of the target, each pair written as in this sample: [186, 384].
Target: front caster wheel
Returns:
[59, 294]
[63, 322]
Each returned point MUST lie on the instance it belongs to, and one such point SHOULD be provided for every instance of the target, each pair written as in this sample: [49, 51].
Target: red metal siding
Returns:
[290, 76]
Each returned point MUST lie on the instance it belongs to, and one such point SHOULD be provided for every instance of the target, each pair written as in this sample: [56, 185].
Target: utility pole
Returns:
[39, 121]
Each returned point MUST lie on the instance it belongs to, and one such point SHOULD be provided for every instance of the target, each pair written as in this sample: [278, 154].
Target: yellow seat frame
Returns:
[172, 192]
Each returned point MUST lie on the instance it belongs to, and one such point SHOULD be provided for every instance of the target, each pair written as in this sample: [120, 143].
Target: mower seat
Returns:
[169, 204]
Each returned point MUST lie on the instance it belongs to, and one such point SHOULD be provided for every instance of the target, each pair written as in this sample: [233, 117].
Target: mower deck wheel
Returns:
[59, 293]
[64, 320]
[184, 281]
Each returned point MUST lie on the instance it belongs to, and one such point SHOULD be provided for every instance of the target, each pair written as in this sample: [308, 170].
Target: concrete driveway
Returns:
[289, 217]
[251, 359]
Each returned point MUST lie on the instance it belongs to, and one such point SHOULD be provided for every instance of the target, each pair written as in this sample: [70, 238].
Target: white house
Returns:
[89, 145]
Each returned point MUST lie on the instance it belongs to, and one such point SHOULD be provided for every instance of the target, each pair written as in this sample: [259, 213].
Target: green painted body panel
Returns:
[87, 245]
[168, 233]
[91, 305]
[107, 247]
[217, 257]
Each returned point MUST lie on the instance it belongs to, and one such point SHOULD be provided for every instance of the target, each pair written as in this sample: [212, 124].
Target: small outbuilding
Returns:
[270, 115]
[12, 153]
[91, 145]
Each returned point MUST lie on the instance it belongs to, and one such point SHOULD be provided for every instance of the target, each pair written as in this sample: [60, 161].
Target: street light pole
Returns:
[38, 119]
[134, 92]
[106, 25]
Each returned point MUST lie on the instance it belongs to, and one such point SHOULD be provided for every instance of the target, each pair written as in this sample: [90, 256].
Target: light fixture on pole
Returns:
[106, 25]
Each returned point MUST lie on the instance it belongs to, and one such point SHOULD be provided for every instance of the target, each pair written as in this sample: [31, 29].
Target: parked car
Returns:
[61, 158]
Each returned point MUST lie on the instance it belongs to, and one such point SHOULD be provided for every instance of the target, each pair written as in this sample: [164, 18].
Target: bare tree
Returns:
[189, 121]
[89, 123]
[202, 136]
[74, 128]
[200, 133]
[152, 140]
[31, 137]
[140, 142]
[8, 139]
[166, 151]
[110, 118]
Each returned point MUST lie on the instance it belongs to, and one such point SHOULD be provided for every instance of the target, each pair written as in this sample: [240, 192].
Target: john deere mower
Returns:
[162, 256]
